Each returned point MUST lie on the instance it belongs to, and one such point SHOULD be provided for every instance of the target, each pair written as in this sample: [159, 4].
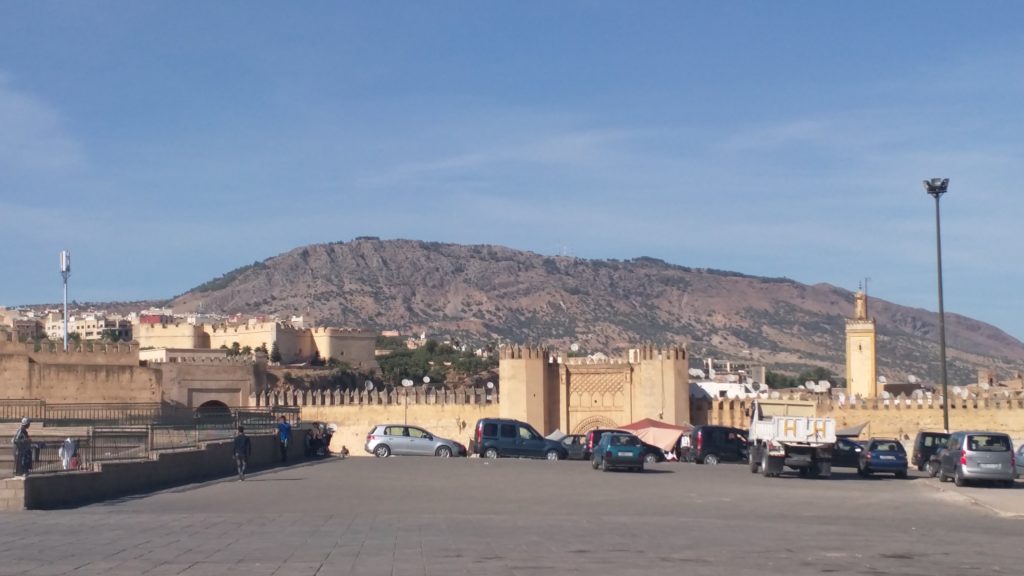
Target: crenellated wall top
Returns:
[517, 352]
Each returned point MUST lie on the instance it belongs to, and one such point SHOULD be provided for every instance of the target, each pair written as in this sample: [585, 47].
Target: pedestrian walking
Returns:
[68, 454]
[21, 445]
[284, 434]
[242, 450]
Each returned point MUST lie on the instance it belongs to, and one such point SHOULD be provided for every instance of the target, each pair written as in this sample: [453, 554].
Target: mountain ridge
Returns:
[488, 292]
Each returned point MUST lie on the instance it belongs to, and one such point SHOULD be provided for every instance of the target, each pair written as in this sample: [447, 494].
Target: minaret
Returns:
[861, 370]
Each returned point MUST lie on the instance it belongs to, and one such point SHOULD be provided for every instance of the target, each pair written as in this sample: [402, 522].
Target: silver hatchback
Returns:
[970, 456]
[402, 440]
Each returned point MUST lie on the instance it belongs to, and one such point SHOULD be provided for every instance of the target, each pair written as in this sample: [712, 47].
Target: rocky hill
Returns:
[486, 293]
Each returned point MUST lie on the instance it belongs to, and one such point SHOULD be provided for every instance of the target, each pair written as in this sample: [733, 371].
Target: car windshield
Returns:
[985, 443]
[888, 447]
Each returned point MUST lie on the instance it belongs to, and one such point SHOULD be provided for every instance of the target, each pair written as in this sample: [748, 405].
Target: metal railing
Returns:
[127, 432]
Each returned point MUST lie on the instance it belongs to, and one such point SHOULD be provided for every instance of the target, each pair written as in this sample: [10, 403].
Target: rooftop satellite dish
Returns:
[368, 385]
[824, 385]
[775, 394]
[575, 347]
[490, 385]
[426, 379]
[406, 382]
[985, 386]
[809, 384]
[912, 379]
[882, 380]
[885, 394]
[696, 373]
[956, 390]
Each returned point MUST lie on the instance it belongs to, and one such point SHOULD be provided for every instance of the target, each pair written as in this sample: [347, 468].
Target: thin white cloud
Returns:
[33, 138]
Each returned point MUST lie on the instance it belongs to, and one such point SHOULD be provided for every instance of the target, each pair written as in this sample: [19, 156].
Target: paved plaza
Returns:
[426, 516]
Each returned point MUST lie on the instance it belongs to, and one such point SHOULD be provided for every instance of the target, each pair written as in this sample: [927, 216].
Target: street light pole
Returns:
[936, 187]
[65, 271]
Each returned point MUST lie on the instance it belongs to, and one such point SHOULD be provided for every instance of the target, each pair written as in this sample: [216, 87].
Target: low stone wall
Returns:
[117, 479]
[452, 421]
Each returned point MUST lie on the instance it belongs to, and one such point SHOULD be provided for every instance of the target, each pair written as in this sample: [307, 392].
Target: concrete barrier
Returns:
[117, 479]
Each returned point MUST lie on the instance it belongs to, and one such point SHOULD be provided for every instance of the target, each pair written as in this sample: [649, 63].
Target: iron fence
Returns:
[126, 432]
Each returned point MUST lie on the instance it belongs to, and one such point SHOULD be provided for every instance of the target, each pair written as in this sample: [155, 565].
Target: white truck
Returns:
[787, 433]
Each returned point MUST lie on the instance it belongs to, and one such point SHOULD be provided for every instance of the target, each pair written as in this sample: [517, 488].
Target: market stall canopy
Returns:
[657, 433]
[851, 431]
[557, 435]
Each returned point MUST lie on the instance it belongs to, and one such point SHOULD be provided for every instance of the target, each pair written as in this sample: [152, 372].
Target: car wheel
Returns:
[764, 465]
[864, 472]
[933, 469]
[711, 459]
[382, 451]
[594, 464]
[901, 474]
[552, 455]
[753, 463]
[491, 453]
[443, 452]
[604, 466]
[650, 458]
[942, 475]
[958, 478]
[922, 466]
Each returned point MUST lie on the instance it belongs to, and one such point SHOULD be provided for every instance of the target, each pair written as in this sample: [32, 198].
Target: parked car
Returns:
[400, 440]
[846, 453]
[499, 437]
[653, 454]
[883, 455]
[1019, 461]
[713, 444]
[575, 446]
[618, 450]
[971, 456]
[926, 445]
[594, 437]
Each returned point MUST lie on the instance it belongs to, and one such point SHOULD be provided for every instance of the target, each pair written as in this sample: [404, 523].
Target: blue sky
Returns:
[165, 143]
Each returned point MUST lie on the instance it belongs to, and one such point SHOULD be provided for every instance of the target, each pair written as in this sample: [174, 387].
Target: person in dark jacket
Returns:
[242, 450]
[22, 446]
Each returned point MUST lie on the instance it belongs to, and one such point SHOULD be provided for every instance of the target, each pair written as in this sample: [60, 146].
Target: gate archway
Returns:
[592, 422]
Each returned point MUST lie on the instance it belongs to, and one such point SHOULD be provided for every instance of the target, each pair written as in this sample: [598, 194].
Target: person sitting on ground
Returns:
[344, 452]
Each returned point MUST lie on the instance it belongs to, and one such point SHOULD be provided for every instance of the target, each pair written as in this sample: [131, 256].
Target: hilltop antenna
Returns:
[65, 271]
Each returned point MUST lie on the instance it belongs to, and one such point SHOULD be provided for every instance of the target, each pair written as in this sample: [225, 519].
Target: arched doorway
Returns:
[594, 422]
[213, 411]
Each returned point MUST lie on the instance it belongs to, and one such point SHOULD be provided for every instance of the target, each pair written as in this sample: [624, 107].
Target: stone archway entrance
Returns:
[594, 422]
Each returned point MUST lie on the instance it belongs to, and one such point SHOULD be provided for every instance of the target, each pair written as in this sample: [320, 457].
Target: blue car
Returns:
[884, 455]
[619, 450]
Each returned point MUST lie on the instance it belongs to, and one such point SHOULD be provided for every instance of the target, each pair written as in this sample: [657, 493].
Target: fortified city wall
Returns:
[176, 335]
[103, 374]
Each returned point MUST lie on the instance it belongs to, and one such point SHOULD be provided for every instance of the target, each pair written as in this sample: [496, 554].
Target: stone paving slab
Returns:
[428, 516]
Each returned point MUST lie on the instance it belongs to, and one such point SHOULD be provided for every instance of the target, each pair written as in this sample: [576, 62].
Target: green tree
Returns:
[275, 353]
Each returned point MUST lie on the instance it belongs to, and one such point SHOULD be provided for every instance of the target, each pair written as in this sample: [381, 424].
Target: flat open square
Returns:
[430, 516]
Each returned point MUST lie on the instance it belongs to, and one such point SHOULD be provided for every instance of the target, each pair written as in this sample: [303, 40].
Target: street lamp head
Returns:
[936, 186]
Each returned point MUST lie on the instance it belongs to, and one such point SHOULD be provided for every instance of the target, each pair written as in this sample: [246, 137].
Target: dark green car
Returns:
[619, 450]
